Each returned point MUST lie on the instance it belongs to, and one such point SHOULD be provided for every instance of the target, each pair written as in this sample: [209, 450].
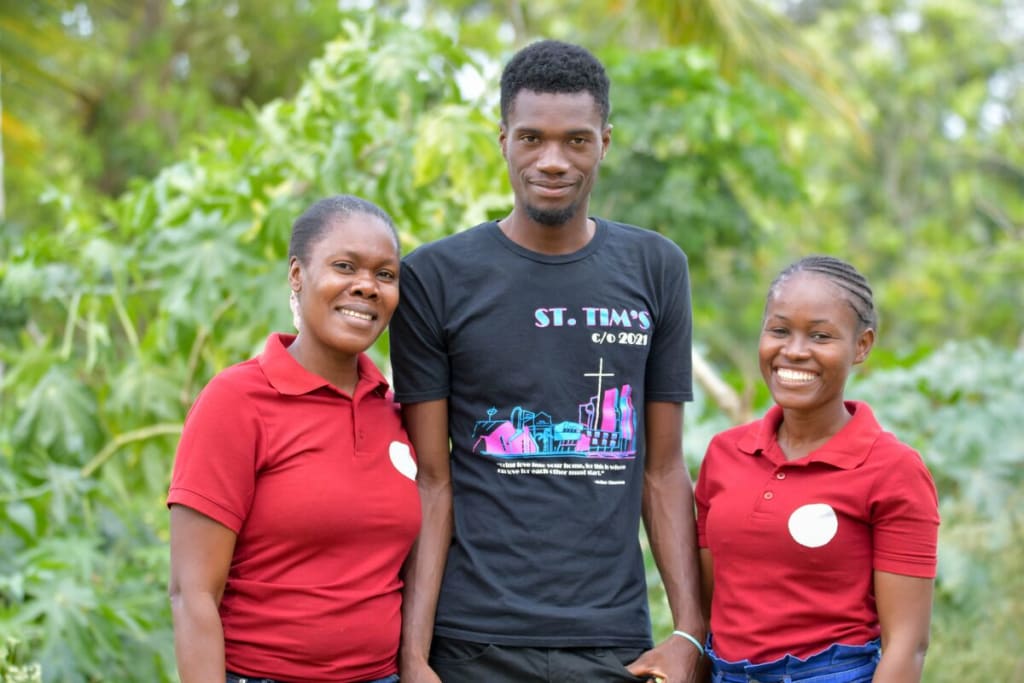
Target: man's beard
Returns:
[551, 216]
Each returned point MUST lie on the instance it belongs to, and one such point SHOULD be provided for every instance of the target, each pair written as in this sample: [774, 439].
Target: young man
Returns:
[542, 362]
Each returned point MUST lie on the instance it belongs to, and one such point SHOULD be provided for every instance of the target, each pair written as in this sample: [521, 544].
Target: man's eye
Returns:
[386, 275]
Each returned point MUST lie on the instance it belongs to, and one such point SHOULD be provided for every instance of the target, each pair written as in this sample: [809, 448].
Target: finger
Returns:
[638, 669]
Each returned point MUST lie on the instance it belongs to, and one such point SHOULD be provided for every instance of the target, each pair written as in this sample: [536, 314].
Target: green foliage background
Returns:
[153, 171]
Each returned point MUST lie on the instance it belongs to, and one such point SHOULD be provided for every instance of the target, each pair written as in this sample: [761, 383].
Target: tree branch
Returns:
[724, 396]
[126, 438]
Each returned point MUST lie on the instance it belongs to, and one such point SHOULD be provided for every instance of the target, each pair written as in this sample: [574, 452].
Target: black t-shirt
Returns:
[546, 362]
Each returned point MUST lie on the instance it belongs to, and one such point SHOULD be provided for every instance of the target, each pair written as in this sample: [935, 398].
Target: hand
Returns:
[417, 671]
[673, 661]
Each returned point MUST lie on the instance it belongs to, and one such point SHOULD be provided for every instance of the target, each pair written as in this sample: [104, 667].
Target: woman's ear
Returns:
[864, 343]
[295, 274]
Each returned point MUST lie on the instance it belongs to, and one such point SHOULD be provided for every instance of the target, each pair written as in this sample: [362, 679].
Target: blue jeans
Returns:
[835, 664]
[236, 678]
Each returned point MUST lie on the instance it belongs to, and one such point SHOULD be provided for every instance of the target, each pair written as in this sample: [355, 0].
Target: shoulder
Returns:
[728, 453]
[730, 439]
[734, 434]
[451, 248]
[439, 273]
[886, 448]
[750, 437]
[238, 377]
[894, 458]
[230, 387]
[895, 465]
[648, 241]
[637, 249]
[228, 409]
[736, 443]
[901, 486]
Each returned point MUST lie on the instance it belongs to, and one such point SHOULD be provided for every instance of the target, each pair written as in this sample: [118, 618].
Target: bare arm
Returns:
[668, 516]
[707, 584]
[201, 551]
[904, 612]
[427, 425]
[707, 589]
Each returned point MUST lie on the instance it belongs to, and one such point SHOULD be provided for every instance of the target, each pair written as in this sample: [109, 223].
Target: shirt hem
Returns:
[205, 506]
[917, 570]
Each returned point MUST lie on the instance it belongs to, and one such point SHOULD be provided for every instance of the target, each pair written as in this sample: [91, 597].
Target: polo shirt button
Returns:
[780, 475]
[768, 495]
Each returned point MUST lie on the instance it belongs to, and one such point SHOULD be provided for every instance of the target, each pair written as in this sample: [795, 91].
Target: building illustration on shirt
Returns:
[605, 428]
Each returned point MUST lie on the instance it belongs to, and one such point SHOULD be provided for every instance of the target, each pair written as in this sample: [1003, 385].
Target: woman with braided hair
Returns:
[817, 528]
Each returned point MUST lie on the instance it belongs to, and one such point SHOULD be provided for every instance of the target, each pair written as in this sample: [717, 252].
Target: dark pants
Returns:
[461, 661]
[238, 678]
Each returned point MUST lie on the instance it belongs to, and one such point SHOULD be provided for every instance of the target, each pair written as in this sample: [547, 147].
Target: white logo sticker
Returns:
[401, 458]
[813, 525]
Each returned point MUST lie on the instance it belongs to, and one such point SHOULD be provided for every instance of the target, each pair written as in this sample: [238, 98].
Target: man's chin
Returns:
[552, 217]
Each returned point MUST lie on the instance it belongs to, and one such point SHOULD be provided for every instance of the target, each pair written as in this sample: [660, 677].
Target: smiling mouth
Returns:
[358, 315]
[551, 189]
[795, 376]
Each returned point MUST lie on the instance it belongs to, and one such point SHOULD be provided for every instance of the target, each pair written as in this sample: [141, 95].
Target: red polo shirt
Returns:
[319, 487]
[794, 543]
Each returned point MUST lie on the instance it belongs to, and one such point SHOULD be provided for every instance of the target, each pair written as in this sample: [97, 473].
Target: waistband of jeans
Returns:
[839, 655]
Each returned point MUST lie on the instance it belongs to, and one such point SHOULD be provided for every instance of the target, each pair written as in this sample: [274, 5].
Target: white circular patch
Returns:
[401, 458]
[813, 525]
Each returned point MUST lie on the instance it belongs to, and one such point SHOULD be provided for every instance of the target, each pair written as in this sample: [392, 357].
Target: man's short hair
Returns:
[551, 66]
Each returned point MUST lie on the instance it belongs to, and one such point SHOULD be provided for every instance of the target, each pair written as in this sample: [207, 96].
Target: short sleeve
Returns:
[905, 519]
[702, 493]
[419, 356]
[702, 511]
[669, 375]
[217, 457]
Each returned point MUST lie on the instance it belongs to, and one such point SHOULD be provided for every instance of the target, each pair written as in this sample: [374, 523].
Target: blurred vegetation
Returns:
[156, 153]
[13, 669]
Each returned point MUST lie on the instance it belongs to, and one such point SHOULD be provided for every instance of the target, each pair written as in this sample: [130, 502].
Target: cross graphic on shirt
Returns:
[600, 398]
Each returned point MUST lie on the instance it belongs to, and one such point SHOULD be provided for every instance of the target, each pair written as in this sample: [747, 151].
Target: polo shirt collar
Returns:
[847, 449]
[288, 377]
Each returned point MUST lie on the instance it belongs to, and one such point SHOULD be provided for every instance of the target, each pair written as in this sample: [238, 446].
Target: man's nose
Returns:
[552, 159]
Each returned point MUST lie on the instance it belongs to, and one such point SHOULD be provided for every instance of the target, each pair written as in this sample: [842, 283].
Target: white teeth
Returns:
[788, 375]
[356, 314]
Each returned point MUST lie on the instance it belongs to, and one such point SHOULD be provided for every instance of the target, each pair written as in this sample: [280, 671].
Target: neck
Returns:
[801, 432]
[553, 240]
[340, 370]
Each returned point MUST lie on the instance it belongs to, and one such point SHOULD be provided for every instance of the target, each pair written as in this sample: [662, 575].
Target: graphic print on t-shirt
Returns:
[605, 427]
